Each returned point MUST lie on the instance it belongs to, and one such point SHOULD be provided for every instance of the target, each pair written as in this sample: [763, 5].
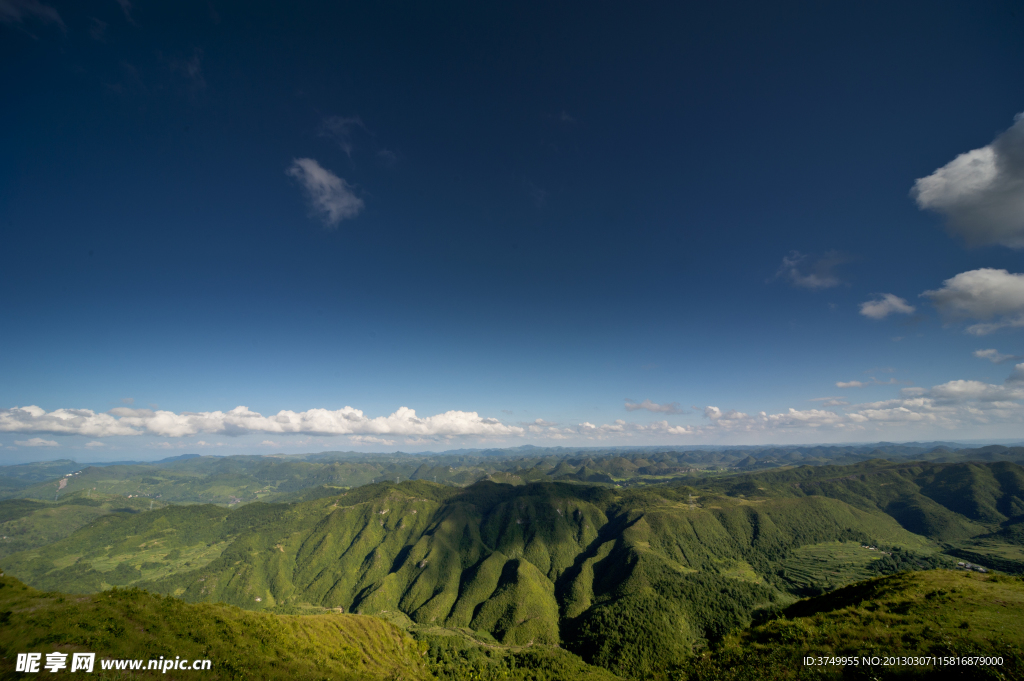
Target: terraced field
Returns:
[827, 566]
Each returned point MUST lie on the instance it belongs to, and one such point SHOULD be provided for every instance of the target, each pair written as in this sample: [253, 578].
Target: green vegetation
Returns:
[457, 656]
[817, 568]
[27, 524]
[936, 613]
[241, 645]
[631, 579]
[634, 575]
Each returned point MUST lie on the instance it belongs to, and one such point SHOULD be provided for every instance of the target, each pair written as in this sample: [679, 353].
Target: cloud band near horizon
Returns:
[951, 404]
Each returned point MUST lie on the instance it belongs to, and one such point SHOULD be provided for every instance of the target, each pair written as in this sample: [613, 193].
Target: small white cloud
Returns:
[830, 401]
[995, 356]
[669, 408]
[817, 273]
[36, 442]
[191, 68]
[126, 7]
[269, 443]
[1017, 375]
[370, 440]
[716, 414]
[861, 384]
[329, 195]
[98, 29]
[983, 294]
[981, 192]
[887, 304]
[94, 444]
[16, 11]
[340, 129]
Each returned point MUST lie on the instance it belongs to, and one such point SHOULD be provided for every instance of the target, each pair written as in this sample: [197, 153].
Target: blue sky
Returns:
[580, 224]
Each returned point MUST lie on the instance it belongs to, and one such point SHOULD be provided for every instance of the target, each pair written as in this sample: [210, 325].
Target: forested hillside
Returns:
[920, 615]
[634, 578]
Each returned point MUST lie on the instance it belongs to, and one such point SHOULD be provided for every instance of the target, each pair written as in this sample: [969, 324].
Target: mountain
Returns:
[633, 578]
[918, 615]
[132, 624]
[231, 480]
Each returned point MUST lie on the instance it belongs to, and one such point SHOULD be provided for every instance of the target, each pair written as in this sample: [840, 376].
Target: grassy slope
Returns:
[27, 524]
[939, 612]
[241, 644]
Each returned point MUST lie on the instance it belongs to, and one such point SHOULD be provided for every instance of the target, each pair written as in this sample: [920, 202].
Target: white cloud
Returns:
[953, 392]
[887, 304]
[981, 192]
[62, 422]
[95, 443]
[621, 428]
[269, 443]
[369, 439]
[716, 414]
[984, 294]
[328, 195]
[670, 408]
[861, 384]
[126, 7]
[36, 442]
[241, 421]
[995, 356]
[818, 274]
[340, 129]
[807, 418]
[1017, 375]
[830, 401]
[16, 11]
[191, 68]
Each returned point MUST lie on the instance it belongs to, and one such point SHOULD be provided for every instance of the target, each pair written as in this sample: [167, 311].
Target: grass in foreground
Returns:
[241, 645]
[934, 613]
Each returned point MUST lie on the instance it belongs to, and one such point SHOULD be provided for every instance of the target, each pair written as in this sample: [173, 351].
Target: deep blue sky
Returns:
[562, 207]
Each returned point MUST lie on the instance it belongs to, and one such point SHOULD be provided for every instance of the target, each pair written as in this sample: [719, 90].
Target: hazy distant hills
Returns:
[237, 479]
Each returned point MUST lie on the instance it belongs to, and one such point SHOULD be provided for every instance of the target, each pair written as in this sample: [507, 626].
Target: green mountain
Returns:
[920, 615]
[635, 578]
[631, 579]
[131, 624]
